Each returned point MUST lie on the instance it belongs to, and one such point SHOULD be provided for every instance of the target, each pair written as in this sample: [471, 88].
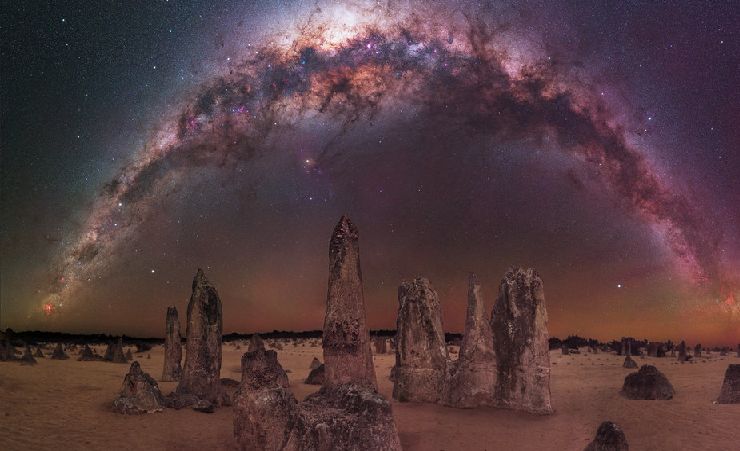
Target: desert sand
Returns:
[66, 405]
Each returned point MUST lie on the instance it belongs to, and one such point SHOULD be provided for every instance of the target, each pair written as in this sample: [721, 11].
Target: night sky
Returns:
[596, 143]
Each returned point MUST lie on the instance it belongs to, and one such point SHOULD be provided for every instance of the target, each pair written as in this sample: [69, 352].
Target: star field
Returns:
[594, 143]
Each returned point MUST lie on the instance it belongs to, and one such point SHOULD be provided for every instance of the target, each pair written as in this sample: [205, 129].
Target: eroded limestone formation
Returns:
[421, 353]
[474, 374]
[255, 343]
[201, 374]
[682, 357]
[139, 394]
[346, 339]
[59, 353]
[380, 345]
[519, 324]
[172, 347]
[315, 363]
[629, 362]
[647, 383]
[730, 392]
[316, 376]
[609, 437]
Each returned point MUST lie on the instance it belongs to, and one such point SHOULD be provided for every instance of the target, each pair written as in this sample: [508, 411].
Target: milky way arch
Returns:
[460, 82]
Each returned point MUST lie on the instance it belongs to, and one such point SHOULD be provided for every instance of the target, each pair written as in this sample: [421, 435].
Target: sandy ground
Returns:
[65, 405]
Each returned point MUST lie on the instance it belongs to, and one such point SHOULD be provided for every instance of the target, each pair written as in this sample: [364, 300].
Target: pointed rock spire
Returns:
[421, 352]
[172, 347]
[346, 339]
[474, 374]
[201, 373]
[519, 324]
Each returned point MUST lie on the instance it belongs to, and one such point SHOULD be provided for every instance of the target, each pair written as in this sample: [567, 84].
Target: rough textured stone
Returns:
[139, 394]
[421, 352]
[172, 368]
[519, 324]
[316, 376]
[629, 362]
[201, 373]
[609, 437]
[730, 392]
[265, 410]
[59, 353]
[346, 339]
[474, 374]
[347, 417]
[256, 343]
[27, 358]
[647, 383]
[315, 363]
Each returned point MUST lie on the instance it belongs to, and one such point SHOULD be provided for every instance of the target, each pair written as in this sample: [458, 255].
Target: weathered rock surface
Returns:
[347, 417]
[474, 374]
[172, 369]
[730, 392]
[609, 437]
[316, 376]
[201, 373]
[59, 353]
[346, 338]
[519, 324]
[421, 353]
[315, 363]
[260, 368]
[139, 394]
[647, 383]
[629, 362]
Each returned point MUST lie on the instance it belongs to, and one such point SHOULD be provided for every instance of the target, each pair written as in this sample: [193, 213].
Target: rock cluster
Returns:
[139, 394]
[347, 413]
[421, 354]
[730, 392]
[647, 383]
[172, 346]
[473, 376]
[609, 437]
[520, 340]
[200, 376]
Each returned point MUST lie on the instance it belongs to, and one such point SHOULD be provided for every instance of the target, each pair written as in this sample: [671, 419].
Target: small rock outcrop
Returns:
[682, 356]
[647, 383]
[730, 392]
[201, 374]
[629, 362]
[519, 324]
[59, 353]
[114, 352]
[315, 363]
[27, 358]
[87, 354]
[172, 369]
[421, 353]
[139, 394]
[316, 376]
[474, 374]
[346, 338]
[609, 437]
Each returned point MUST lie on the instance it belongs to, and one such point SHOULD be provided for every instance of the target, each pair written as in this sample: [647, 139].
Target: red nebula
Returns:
[48, 309]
